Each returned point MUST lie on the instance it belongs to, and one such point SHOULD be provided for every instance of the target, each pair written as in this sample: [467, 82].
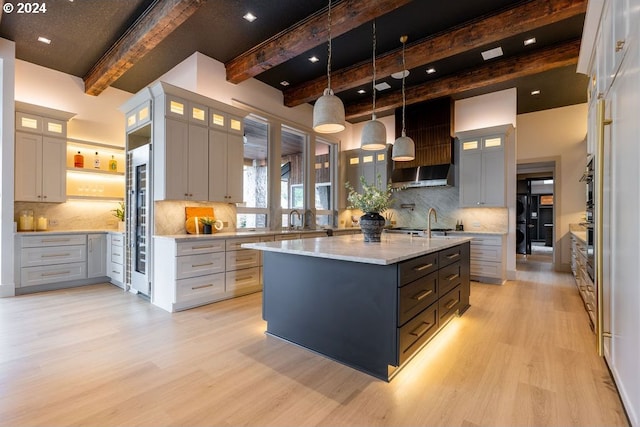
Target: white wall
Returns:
[553, 134]
[7, 75]
[493, 109]
[356, 132]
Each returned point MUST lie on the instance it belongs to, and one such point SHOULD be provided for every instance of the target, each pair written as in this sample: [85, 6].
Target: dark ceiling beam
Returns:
[153, 26]
[493, 73]
[305, 35]
[520, 19]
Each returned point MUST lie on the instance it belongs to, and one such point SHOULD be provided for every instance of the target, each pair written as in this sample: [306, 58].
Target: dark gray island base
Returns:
[371, 317]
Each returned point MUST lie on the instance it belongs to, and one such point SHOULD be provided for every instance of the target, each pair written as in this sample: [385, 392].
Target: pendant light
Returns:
[404, 149]
[374, 133]
[328, 111]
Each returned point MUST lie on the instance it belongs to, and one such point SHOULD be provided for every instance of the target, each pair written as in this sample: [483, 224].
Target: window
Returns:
[292, 171]
[254, 212]
[324, 164]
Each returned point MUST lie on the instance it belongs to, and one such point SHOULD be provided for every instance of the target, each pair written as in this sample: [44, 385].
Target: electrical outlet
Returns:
[475, 224]
[53, 222]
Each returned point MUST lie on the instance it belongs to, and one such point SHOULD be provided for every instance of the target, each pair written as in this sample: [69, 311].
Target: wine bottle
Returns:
[113, 164]
[78, 160]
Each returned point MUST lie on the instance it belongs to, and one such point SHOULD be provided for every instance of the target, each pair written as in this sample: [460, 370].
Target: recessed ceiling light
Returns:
[431, 70]
[361, 91]
[44, 40]
[382, 86]
[284, 83]
[250, 17]
[492, 53]
[532, 40]
[314, 59]
[400, 74]
[535, 92]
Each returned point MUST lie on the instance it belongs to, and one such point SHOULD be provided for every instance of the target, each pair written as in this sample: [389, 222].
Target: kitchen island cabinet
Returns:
[371, 307]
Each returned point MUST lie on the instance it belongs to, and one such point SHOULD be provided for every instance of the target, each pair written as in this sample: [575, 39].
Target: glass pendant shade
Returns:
[404, 149]
[374, 135]
[328, 113]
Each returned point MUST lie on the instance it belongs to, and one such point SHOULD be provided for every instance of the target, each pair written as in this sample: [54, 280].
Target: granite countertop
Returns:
[392, 249]
[580, 234]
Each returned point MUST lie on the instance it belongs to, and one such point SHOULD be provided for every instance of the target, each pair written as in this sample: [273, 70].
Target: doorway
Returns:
[535, 212]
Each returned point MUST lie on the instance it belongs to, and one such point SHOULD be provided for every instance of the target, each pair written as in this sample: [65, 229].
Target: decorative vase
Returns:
[372, 224]
[206, 228]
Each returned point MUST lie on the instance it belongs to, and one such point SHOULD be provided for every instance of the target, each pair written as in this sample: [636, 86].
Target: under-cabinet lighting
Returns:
[535, 92]
[314, 59]
[532, 40]
[44, 40]
[431, 70]
[250, 17]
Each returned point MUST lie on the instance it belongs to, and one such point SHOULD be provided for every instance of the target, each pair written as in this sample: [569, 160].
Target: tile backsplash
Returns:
[170, 216]
[73, 215]
[445, 201]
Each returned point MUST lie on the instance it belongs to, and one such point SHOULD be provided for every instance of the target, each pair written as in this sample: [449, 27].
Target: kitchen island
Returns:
[371, 306]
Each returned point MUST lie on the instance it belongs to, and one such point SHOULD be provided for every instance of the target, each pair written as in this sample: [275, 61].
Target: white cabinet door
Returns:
[40, 169]
[176, 160]
[482, 172]
[493, 178]
[470, 173]
[198, 166]
[28, 173]
[96, 255]
[235, 173]
[54, 170]
[217, 165]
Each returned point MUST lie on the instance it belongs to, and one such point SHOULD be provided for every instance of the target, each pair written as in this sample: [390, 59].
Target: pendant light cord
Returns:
[329, 54]
[404, 73]
[373, 113]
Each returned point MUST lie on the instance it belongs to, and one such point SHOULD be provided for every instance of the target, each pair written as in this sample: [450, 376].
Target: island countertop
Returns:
[392, 249]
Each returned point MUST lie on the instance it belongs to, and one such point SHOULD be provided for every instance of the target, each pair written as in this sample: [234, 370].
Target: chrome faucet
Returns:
[294, 211]
[435, 215]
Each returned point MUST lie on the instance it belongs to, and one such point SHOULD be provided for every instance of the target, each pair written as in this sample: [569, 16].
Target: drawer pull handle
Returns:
[421, 329]
[589, 306]
[422, 295]
[453, 277]
[239, 279]
[58, 273]
[589, 288]
[452, 256]
[244, 259]
[423, 267]
[54, 255]
[451, 304]
[201, 265]
[115, 272]
[55, 240]
[208, 285]
[202, 247]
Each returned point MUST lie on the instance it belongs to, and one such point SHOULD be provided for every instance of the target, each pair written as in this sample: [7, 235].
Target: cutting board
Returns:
[193, 224]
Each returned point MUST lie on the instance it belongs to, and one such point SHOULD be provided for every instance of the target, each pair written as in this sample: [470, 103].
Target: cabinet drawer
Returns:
[31, 257]
[449, 304]
[487, 241]
[449, 277]
[117, 254]
[199, 247]
[415, 268]
[486, 268]
[54, 240]
[416, 332]
[238, 260]
[116, 272]
[243, 280]
[117, 240]
[203, 289]
[450, 255]
[199, 265]
[234, 244]
[416, 296]
[31, 276]
[489, 253]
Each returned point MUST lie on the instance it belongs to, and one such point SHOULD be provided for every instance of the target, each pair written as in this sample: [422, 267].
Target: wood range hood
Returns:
[430, 125]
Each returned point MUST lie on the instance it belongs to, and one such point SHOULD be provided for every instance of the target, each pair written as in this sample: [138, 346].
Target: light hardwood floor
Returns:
[522, 354]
